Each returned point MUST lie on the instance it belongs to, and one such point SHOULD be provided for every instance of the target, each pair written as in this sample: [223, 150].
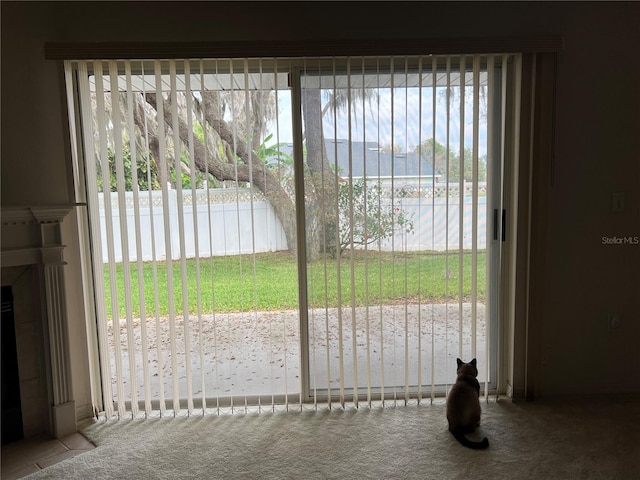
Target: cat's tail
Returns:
[484, 443]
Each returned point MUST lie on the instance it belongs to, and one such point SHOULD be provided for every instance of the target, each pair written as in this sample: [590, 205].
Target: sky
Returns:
[413, 123]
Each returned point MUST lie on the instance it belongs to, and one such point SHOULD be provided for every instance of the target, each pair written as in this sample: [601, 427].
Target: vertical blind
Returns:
[195, 172]
[416, 146]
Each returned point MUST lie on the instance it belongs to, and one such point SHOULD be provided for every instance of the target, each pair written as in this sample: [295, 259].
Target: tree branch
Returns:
[251, 170]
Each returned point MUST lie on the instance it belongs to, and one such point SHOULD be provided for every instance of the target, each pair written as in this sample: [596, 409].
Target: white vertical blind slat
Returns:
[212, 228]
[236, 140]
[420, 189]
[124, 233]
[91, 173]
[164, 181]
[315, 333]
[449, 94]
[106, 183]
[248, 105]
[177, 165]
[434, 120]
[341, 349]
[474, 208]
[279, 166]
[133, 148]
[392, 107]
[194, 214]
[405, 148]
[205, 135]
[381, 319]
[366, 246]
[352, 279]
[461, 201]
[154, 257]
[297, 133]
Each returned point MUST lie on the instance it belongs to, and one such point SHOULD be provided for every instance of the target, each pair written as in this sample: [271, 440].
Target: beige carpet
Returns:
[588, 438]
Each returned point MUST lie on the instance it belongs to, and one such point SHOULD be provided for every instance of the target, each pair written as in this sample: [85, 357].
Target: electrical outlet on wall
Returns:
[613, 321]
[546, 353]
[617, 202]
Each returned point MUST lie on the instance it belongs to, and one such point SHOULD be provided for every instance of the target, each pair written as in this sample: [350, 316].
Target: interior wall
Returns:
[597, 154]
[596, 146]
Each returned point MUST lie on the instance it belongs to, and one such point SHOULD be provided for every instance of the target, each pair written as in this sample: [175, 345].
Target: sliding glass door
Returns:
[273, 232]
[404, 161]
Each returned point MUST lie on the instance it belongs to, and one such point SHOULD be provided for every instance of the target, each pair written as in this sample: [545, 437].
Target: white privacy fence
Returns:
[230, 222]
[437, 225]
[241, 221]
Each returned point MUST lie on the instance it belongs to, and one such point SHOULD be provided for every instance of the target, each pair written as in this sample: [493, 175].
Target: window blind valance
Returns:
[343, 47]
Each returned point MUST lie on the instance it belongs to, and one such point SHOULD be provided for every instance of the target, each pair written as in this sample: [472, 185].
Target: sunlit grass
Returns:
[269, 281]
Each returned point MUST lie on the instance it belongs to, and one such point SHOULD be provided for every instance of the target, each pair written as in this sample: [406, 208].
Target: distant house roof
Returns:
[368, 155]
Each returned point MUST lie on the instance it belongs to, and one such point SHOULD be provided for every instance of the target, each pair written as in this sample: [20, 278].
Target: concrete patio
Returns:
[258, 353]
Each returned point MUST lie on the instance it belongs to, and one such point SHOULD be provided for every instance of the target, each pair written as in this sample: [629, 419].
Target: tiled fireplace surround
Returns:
[33, 265]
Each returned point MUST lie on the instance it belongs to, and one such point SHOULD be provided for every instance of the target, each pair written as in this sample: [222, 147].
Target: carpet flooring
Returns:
[579, 438]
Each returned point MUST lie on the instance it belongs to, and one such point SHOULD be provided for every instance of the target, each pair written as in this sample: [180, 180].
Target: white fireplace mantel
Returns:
[33, 236]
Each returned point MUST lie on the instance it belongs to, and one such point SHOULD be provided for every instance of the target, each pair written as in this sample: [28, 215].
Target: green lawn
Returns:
[269, 281]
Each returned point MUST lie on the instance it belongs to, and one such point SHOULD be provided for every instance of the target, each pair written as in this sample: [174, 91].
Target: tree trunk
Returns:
[322, 218]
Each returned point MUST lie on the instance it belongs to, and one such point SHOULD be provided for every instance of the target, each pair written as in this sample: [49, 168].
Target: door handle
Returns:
[503, 221]
[504, 225]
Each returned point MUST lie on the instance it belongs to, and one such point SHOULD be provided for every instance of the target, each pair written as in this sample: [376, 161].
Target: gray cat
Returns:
[463, 405]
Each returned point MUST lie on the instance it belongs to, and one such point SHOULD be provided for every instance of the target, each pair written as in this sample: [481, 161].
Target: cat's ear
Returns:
[473, 362]
[459, 362]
